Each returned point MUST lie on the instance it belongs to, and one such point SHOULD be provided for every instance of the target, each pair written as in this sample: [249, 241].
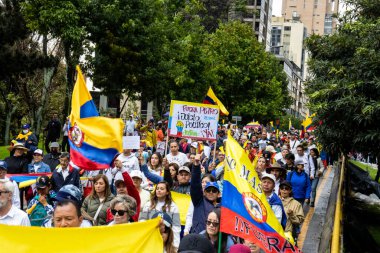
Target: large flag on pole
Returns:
[212, 99]
[94, 140]
[245, 209]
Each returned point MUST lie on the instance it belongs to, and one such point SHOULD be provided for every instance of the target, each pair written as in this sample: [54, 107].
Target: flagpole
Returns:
[167, 141]
[220, 241]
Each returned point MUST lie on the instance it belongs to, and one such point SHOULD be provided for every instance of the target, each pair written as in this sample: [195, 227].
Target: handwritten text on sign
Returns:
[193, 120]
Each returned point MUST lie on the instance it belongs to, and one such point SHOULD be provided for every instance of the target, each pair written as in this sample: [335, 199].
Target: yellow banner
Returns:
[139, 237]
[183, 202]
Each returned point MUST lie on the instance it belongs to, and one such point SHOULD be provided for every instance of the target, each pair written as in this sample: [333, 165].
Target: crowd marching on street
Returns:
[139, 184]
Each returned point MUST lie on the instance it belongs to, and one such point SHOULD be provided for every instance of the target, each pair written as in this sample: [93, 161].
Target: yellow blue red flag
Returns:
[137, 237]
[213, 100]
[245, 210]
[183, 202]
[94, 140]
[307, 123]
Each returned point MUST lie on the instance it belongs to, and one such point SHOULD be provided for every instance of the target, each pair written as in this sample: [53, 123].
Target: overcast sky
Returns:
[276, 8]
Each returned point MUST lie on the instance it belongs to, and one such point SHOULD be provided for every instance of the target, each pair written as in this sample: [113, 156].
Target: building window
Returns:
[287, 28]
[328, 24]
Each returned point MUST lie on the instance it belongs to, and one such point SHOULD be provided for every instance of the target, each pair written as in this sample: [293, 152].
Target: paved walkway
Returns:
[312, 227]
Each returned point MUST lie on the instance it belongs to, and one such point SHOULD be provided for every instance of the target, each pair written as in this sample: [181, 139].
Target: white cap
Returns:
[38, 151]
[270, 176]
[194, 144]
[136, 173]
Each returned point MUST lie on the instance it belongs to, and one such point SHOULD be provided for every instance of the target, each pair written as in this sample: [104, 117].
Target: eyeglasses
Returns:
[211, 189]
[119, 212]
[1, 192]
[214, 224]
[285, 188]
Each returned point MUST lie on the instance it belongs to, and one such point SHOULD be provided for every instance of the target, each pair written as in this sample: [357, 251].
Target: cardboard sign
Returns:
[193, 120]
[131, 142]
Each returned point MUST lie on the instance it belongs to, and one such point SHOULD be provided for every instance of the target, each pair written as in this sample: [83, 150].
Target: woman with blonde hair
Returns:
[95, 205]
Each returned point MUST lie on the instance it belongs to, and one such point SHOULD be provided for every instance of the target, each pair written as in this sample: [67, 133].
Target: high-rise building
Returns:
[317, 15]
[287, 44]
[259, 14]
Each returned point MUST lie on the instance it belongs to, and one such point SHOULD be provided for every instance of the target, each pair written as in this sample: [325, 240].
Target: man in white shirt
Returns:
[280, 157]
[175, 156]
[293, 143]
[130, 126]
[130, 161]
[308, 163]
[16, 192]
[9, 214]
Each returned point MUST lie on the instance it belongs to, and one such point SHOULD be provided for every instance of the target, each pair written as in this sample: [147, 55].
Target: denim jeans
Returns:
[314, 184]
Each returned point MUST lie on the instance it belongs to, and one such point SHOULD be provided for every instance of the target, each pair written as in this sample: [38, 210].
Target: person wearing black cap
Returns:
[195, 243]
[166, 232]
[41, 206]
[293, 208]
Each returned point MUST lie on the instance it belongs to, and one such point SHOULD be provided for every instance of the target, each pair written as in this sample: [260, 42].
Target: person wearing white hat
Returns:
[137, 178]
[268, 183]
[37, 165]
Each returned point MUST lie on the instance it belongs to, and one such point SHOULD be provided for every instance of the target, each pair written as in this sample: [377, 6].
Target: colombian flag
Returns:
[307, 123]
[245, 209]
[94, 140]
[213, 100]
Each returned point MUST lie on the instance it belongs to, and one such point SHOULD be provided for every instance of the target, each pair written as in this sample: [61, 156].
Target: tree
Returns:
[19, 58]
[249, 81]
[344, 89]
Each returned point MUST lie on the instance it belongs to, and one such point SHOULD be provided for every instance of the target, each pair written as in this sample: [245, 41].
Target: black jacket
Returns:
[53, 129]
[17, 164]
[51, 160]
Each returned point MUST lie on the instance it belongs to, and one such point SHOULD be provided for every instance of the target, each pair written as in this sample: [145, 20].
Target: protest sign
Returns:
[131, 142]
[161, 147]
[193, 120]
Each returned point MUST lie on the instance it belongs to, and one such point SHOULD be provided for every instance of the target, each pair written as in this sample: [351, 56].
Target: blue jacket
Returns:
[300, 183]
[58, 182]
[44, 168]
[202, 206]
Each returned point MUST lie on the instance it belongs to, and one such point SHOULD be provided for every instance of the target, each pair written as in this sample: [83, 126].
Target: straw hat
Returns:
[17, 145]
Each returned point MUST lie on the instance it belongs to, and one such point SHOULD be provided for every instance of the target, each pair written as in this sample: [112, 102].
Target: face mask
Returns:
[25, 131]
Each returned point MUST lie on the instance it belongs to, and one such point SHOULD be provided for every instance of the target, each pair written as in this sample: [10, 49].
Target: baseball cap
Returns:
[195, 243]
[212, 184]
[54, 145]
[270, 176]
[299, 162]
[69, 192]
[38, 151]
[194, 144]
[42, 182]
[167, 220]
[26, 126]
[136, 173]
[286, 183]
[3, 165]
[184, 168]
[119, 183]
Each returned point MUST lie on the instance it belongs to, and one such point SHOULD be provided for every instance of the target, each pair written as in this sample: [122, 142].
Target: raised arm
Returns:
[151, 176]
[133, 192]
[196, 191]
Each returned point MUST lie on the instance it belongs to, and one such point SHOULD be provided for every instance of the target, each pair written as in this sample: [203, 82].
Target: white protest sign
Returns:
[160, 147]
[131, 142]
[207, 151]
[193, 120]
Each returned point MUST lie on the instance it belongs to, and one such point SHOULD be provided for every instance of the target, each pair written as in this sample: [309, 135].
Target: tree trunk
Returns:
[70, 74]
[378, 168]
[10, 112]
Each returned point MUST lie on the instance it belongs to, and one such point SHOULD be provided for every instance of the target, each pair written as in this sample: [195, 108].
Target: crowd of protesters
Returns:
[139, 183]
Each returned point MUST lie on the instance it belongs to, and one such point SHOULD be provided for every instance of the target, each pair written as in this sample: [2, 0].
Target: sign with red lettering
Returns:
[193, 120]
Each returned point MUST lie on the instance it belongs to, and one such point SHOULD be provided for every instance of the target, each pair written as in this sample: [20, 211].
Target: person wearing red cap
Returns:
[239, 248]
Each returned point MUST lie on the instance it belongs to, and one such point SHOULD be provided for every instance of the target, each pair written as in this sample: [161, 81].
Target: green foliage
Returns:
[344, 90]
[248, 80]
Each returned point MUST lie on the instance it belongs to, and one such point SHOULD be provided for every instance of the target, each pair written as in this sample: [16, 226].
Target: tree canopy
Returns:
[344, 89]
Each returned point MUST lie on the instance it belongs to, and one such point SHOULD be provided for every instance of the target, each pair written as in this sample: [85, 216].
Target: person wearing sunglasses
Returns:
[123, 207]
[293, 209]
[212, 232]
[204, 200]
